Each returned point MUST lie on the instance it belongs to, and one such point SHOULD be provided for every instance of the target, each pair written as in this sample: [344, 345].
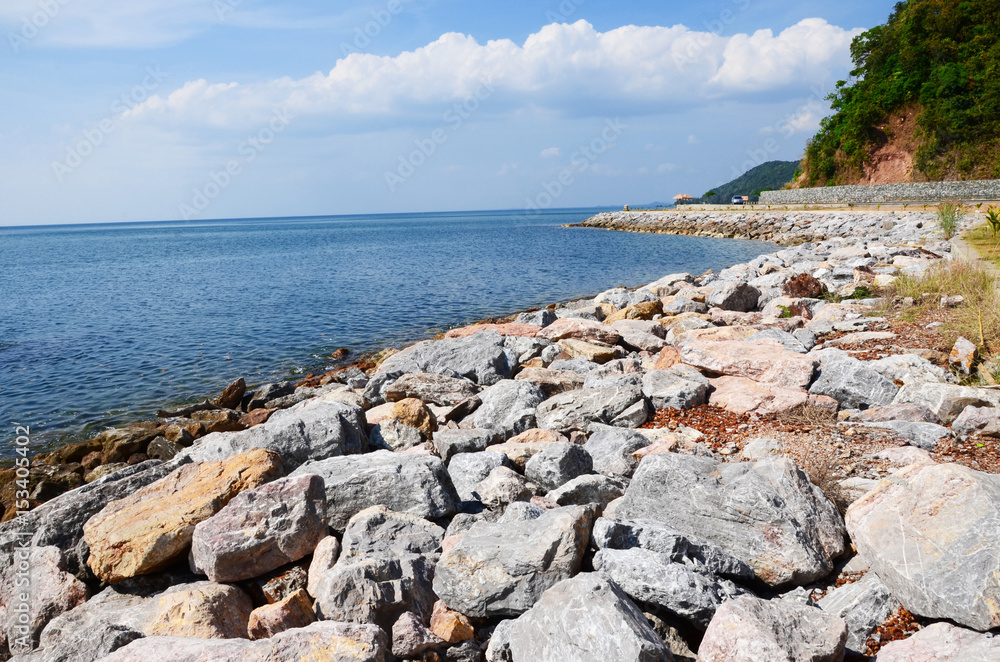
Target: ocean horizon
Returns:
[103, 324]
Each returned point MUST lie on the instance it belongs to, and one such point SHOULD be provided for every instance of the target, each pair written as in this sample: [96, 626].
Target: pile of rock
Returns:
[492, 496]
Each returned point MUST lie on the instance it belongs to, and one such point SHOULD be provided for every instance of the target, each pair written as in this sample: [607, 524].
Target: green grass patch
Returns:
[981, 238]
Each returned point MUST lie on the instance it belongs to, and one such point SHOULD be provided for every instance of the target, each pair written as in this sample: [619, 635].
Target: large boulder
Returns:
[947, 401]
[559, 463]
[551, 382]
[766, 513]
[978, 420]
[932, 535]
[584, 619]
[449, 443]
[313, 430]
[481, 358]
[940, 642]
[850, 382]
[580, 329]
[379, 531]
[765, 361]
[431, 388]
[621, 405]
[467, 470]
[749, 629]
[152, 528]
[501, 569]
[740, 297]
[333, 642]
[261, 530]
[611, 450]
[677, 387]
[508, 407]
[740, 395]
[413, 484]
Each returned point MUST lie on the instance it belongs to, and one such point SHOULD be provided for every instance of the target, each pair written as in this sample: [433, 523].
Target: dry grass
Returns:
[822, 471]
[978, 319]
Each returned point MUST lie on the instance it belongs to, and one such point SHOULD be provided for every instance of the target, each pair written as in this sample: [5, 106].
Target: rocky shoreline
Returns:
[520, 491]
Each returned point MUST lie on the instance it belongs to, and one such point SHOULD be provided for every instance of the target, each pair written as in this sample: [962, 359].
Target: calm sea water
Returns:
[105, 324]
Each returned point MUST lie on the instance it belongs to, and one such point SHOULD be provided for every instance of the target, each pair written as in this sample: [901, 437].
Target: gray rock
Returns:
[849, 382]
[550, 354]
[502, 569]
[267, 392]
[379, 531]
[260, 530]
[411, 638]
[87, 646]
[612, 533]
[592, 313]
[864, 605]
[652, 578]
[681, 305]
[502, 488]
[806, 337]
[449, 443]
[324, 558]
[314, 430]
[611, 379]
[766, 513]
[749, 629]
[337, 642]
[787, 340]
[467, 651]
[584, 619]
[922, 435]
[467, 470]
[741, 297]
[413, 484]
[596, 489]
[163, 449]
[431, 388]
[540, 318]
[940, 642]
[908, 368]
[678, 387]
[509, 407]
[611, 450]
[557, 464]
[947, 401]
[981, 420]
[621, 298]
[579, 366]
[578, 410]
[932, 535]
[905, 412]
[376, 589]
[481, 358]
[394, 435]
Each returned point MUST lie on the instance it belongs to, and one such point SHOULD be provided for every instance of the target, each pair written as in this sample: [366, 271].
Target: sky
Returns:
[203, 109]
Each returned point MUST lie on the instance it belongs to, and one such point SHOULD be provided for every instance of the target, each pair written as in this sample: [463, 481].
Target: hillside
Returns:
[922, 104]
[765, 177]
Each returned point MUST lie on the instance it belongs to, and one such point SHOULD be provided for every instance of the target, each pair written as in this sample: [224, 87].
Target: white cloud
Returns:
[563, 68]
[667, 167]
[551, 153]
[693, 140]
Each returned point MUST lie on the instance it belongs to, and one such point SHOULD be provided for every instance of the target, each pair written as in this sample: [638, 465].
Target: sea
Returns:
[102, 325]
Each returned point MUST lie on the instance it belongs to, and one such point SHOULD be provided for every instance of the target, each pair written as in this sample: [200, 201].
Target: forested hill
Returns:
[768, 176]
[923, 102]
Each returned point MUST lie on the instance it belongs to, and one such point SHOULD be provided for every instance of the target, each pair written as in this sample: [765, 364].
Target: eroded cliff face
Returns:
[892, 162]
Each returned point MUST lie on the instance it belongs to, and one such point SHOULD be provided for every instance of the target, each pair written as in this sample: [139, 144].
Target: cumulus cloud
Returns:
[561, 68]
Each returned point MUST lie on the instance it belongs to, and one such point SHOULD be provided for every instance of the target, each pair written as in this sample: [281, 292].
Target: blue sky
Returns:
[198, 109]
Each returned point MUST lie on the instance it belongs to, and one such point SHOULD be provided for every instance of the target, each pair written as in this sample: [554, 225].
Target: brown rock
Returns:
[450, 625]
[640, 311]
[411, 638]
[295, 611]
[579, 329]
[203, 610]
[76, 452]
[765, 361]
[92, 460]
[667, 358]
[415, 414]
[551, 381]
[256, 417]
[220, 420]
[804, 286]
[232, 395]
[184, 432]
[278, 585]
[963, 356]
[152, 528]
[537, 436]
[324, 557]
[523, 330]
[718, 334]
[597, 353]
[740, 395]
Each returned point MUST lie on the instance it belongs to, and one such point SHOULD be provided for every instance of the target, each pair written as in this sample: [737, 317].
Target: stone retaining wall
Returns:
[879, 193]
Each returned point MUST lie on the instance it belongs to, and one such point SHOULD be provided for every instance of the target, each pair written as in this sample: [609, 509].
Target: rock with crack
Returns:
[508, 407]
[749, 629]
[766, 513]
[584, 619]
[978, 420]
[431, 388]
[467, 470]
[611, 450]
[413, 484]
[557, 464]
[850, 382]
[864, 605]
[502, 569]
[941, 642]
[622, 405]
[379, 531]
[947, 401]
[449, 443]
[596, 489]
[677, 387]
[931, 535]
[765, 361]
